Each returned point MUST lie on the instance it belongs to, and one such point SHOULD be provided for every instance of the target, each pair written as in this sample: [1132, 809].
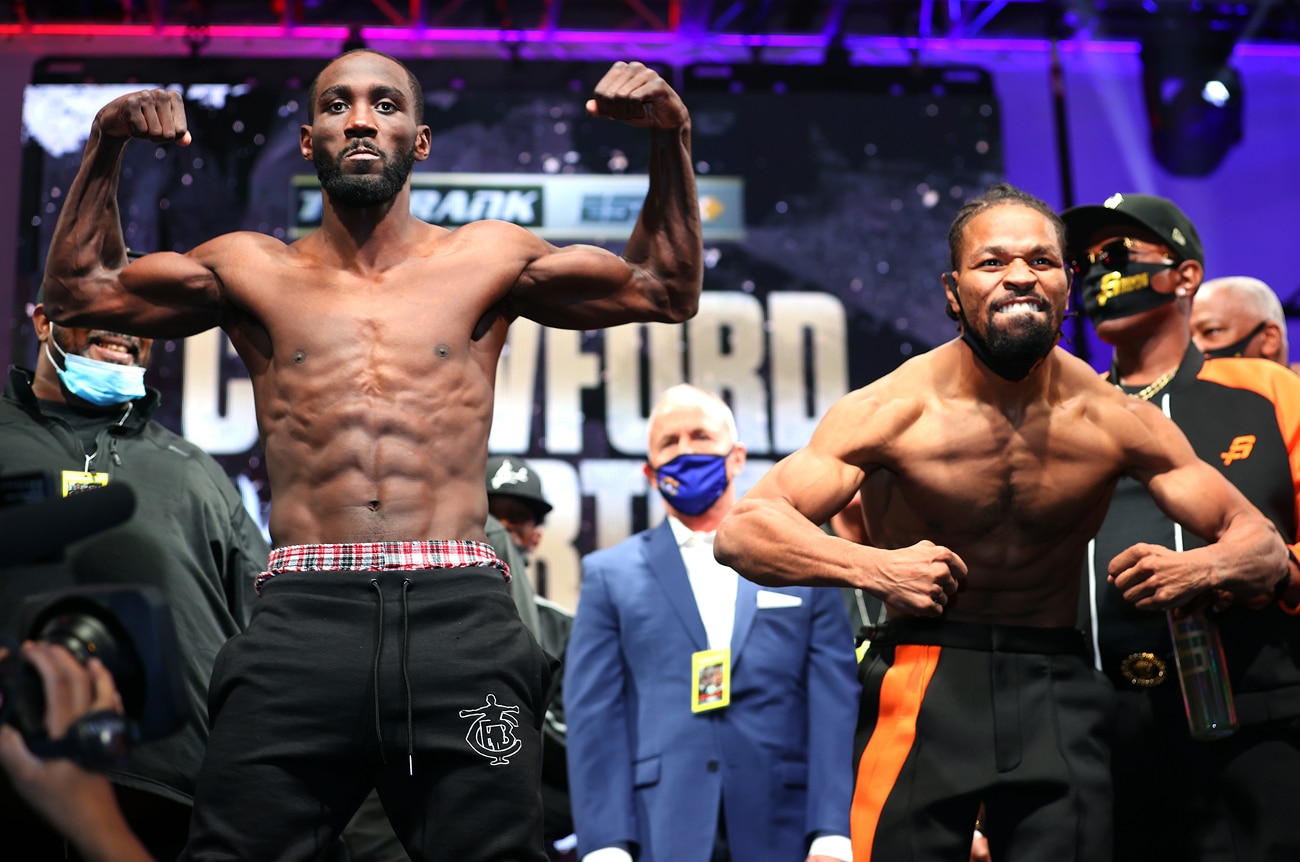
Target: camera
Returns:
[128, 627]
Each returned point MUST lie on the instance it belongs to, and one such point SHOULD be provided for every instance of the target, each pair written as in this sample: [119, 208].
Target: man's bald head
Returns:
[684, 395]
[1239, 316]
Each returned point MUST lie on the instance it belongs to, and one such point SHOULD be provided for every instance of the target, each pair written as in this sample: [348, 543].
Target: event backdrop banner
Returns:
[826, 195]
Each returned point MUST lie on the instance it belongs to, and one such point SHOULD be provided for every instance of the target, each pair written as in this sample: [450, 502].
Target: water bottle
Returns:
[1203, 675]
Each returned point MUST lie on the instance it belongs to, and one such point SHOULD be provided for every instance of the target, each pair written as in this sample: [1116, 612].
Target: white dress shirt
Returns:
[714, 584]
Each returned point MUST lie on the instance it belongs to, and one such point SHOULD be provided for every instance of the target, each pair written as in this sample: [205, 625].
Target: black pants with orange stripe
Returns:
[958, 714]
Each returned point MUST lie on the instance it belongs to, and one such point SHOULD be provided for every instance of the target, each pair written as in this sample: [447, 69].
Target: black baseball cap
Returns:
[512, 476]
[1159, 215]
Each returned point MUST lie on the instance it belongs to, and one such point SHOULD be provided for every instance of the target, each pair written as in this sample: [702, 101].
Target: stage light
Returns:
[1216, 92]
[1193, 101]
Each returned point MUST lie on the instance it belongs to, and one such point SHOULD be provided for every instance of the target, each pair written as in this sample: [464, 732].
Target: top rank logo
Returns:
[451, 206]
[557, 207]
[448, 205]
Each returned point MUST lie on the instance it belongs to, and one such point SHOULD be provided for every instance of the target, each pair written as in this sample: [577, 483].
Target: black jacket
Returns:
[1243, 417]
[190, 537]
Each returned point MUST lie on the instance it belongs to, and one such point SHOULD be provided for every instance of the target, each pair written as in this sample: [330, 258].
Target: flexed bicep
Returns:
[159, 295]
[89, 280]
[588, 287]
[660, 272]
[173, 295]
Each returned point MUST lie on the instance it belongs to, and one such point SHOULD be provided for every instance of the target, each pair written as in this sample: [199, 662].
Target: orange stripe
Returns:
[901, 693]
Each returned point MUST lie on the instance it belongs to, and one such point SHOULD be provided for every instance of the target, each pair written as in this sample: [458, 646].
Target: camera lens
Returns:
[128, 628]
[86, 631]
[85, 637]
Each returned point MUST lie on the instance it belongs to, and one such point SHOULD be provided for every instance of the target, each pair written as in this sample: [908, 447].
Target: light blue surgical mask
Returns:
[104, 384]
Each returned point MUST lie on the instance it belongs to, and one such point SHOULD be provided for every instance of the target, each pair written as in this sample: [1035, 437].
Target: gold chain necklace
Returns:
[1148, 391]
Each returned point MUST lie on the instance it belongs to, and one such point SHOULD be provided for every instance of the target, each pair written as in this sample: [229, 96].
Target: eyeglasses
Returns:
[1115, 255]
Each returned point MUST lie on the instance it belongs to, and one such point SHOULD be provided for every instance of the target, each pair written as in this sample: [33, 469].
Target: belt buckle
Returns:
[1144, 669]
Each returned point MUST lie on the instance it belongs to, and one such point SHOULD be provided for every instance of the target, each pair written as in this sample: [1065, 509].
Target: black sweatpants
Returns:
[958, 714]
[422, 684]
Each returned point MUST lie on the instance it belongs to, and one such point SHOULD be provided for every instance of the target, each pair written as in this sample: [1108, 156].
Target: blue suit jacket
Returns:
[645, 770]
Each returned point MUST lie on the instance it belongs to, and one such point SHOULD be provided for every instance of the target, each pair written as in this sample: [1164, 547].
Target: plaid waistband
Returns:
[380, 556]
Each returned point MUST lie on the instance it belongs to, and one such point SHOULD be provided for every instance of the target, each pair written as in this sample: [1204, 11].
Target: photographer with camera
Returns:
[84, 418]
[77, 803]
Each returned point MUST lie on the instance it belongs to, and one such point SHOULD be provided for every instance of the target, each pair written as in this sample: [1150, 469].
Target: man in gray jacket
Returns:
[84, 416]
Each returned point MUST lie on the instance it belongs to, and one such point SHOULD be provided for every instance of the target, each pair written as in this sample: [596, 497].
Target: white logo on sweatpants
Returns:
[492, 732]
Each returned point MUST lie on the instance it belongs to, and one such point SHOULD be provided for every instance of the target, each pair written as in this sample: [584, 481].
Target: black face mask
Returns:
[1009, 358]
[1110, 293]
[1236, 348]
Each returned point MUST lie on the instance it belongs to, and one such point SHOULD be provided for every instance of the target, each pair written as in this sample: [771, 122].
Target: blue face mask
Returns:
[104, 384]
[692, 483]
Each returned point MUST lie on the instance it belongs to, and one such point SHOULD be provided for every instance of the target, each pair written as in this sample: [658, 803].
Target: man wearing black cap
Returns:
[515, 498]
[1140, 262]
[518, 505]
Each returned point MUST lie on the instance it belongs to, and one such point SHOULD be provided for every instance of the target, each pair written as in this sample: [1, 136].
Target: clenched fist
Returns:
[155, 115]
[919, 580]
[634, 94]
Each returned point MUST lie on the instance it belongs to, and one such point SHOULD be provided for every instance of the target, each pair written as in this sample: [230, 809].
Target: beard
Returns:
[1025, 344]
[363, 190]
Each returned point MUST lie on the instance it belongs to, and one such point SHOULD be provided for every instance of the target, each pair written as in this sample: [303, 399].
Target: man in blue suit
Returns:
[691, 692]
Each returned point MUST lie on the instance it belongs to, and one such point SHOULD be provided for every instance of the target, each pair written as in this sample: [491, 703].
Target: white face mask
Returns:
[104, 384]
